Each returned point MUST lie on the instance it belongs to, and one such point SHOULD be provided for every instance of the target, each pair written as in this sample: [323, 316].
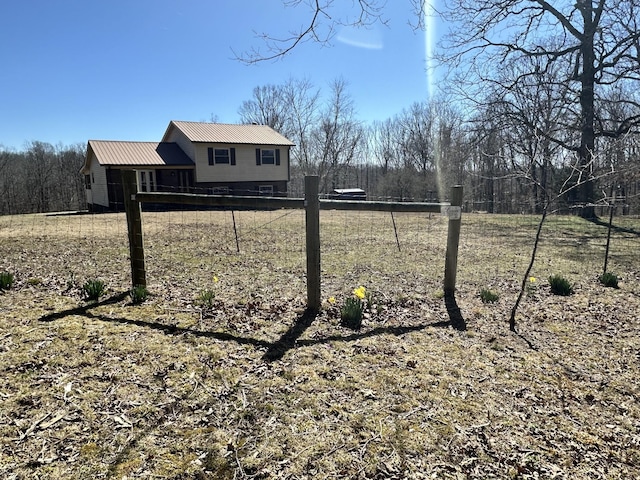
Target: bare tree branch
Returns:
[321, 28]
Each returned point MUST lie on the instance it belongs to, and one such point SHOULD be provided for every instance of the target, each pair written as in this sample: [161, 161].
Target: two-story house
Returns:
[192, 157]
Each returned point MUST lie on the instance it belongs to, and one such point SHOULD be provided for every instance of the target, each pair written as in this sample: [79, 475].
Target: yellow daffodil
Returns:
[215, 279]
[360, 292]
[332, 300]
[532, 279]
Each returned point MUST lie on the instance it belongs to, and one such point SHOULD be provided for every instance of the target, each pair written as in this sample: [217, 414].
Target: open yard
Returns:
[253, 386]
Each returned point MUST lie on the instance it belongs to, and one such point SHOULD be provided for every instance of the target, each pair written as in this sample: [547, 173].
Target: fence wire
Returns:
[396, 256]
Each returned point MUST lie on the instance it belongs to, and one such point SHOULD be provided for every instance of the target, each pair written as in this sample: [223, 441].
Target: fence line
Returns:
[312, 205]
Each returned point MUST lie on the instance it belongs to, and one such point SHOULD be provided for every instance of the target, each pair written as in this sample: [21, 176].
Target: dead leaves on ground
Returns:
[167, 389]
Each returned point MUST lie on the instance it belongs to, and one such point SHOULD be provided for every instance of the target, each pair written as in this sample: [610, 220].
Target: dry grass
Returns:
[257, 388]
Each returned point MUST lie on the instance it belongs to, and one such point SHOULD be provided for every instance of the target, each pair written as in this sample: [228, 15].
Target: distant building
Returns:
[349, 194]
[192, 157]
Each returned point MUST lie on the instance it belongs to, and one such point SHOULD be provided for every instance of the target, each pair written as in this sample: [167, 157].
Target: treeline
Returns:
[502, 153]
[42, 178]
[504, 164]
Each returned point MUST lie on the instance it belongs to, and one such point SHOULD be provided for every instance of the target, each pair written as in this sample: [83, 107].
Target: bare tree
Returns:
[303, 103]
[42, 178]
[69, 183]
[8, 183]
[291, 108]
[338, 136]
[418, 142]
[389, 153]
[533, 112]
[451, 145]
[267, 107]
[41, 168]
[384, 145]
[594, 43]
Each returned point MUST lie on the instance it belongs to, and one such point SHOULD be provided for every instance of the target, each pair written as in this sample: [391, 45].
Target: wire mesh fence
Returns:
[261, 254]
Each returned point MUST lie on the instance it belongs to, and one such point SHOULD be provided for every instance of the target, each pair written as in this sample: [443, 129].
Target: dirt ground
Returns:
[255, 386]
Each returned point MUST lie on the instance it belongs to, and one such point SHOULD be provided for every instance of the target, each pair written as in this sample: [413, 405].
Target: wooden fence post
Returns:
[312, 216]
[134, 228]
[454, 212]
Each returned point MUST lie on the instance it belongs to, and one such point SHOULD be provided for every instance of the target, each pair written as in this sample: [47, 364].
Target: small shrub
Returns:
[609, 280]
[353, 309]
[205, 298]
[351, 313]
[138, 294]
[6, 280]
[93, 289]
[487, 296]
[560, 285]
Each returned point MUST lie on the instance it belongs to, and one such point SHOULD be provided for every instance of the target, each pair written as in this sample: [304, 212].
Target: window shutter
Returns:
[277, 156]
[233, 156]
[258, 156]
[210, 151]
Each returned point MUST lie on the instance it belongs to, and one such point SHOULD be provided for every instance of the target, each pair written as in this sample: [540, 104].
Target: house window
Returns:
[146, 181]
[87, 182]
[221, 156]
[267, 156]
[265, 190]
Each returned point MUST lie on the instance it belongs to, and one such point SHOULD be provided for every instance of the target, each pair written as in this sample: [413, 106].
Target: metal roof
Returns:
[139, 153]
[201, 132]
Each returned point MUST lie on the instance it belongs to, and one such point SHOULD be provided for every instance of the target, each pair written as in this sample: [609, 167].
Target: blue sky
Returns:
[74, 70]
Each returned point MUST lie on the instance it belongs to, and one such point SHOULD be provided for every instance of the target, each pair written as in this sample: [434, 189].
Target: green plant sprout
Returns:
[138, 294]
[207, 296]
[487, 296]
[560, 285]
[353, 309]
[6, 280]
[93, 289]
[609, 279]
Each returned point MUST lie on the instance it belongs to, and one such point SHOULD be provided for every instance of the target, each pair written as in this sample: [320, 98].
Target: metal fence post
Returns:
[312, 216]
[134, 228]
[453, 240]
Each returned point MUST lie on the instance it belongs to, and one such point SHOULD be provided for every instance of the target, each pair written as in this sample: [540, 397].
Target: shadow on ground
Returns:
[615, 228]
[291, 339]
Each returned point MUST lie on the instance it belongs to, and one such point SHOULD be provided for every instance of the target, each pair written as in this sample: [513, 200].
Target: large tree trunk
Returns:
[586, 190]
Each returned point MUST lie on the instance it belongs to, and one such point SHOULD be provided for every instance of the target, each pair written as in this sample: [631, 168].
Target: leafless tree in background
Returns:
[42, 178]
[593, 46]
[338, 137]
[267, 107]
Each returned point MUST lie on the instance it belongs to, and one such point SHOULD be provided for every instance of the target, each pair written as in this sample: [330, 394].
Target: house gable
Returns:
[202, 140]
